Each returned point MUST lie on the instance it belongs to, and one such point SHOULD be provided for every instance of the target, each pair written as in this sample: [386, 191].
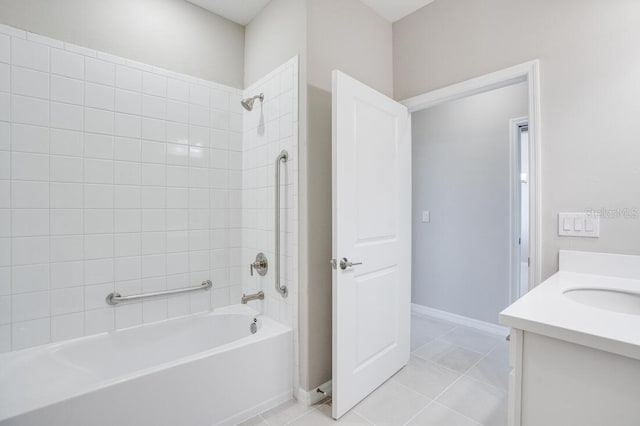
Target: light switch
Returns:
[426, 216]
[578, 225]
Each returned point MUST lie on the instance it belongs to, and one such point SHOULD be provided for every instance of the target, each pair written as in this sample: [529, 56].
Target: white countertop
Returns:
[547, 311]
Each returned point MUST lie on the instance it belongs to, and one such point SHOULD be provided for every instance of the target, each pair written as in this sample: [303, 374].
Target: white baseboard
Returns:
[313, 396]
[461, 320]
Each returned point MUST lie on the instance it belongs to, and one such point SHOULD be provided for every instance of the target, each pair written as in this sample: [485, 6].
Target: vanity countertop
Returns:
[546, 310]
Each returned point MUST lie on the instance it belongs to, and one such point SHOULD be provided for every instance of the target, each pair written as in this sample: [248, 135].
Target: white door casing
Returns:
[371, 224]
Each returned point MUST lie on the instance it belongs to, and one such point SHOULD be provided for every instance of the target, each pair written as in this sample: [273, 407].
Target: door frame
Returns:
[526, 72]
[515, 213]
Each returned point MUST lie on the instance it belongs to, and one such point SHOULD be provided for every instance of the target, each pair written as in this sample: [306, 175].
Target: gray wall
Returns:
[461, 175]
[171, 34]
[344, 35]
[275, 35]
[590, 95]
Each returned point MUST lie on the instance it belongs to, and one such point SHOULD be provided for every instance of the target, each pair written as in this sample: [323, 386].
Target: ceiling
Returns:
[239, 11]
[243, 11]
[394, 10]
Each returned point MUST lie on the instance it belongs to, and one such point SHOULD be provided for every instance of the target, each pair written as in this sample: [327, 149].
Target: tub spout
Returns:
[247, 298]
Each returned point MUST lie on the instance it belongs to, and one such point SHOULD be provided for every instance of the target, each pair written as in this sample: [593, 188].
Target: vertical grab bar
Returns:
[282, 158]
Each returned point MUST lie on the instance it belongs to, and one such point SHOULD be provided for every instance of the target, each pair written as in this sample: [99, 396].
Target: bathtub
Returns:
[204, 369]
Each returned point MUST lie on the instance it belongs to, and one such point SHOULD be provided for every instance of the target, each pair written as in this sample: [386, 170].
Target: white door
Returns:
[372, 230]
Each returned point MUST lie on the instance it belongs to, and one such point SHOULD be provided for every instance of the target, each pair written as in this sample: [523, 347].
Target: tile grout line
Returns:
[446, 389]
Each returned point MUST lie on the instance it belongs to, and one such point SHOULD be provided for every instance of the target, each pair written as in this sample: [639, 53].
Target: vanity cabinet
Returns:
[553, 382]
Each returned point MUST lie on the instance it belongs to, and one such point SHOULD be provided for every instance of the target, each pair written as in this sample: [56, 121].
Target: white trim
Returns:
[487, 327]
[313, 396]
[515, 213]
[529, 72]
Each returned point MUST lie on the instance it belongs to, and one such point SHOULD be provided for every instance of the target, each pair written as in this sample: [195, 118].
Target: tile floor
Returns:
[457, 376]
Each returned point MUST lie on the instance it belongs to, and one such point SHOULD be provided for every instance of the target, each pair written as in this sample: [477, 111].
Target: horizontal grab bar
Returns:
[115, 297]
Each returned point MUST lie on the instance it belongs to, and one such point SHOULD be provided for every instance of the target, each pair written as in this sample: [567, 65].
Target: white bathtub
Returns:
[204, 369]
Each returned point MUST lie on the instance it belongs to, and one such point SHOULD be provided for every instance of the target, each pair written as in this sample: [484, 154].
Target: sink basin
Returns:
[612, 300]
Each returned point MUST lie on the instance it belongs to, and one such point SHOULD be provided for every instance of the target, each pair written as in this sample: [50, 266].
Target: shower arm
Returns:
[282, 158]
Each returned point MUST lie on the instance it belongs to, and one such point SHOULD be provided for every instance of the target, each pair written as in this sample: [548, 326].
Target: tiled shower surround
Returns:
[114, 175]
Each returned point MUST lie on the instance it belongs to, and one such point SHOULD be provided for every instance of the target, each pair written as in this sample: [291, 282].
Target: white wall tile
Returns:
[67, 300]
[177, 133]
[126, 173]
[127, 149]
[5, 136]
[178, 90]
[98, 71]
[154, 107]
[66, 221]
[97, 272]
[67, 90]
[66, 195]
[5, 81]
[26, 166]
[31, 278]
[99, 320]
[199, 116]
[5, 48]
[67, 64]
[30, 333]
[153, 129]
[98, 221]
[67, 274]
[29, 54]
[66, 142]
[29, 306]
[127, 245]
[66, 327]
[128, 78]
[199, 95]
[94, 196]
[66, 116]
[98, 146]
[128, 125]
[28, 82]
[98, 246]
[29, 110]
[98, 171]
[177, 111]
[98, 196]
[99, 96]
[154, 84]
[98, 121]
[128, 102]
[25, 138]
[66, 169]
[66, 248]
[29, 223]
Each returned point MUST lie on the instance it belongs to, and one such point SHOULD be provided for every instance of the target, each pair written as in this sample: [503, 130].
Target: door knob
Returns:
[344, 263]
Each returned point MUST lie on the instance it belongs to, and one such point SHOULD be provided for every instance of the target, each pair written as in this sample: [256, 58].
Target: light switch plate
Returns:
[578, 225]
[426, 216]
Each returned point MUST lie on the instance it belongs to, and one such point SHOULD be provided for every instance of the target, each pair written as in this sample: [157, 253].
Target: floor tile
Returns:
[391, 404]
[286, 412]
[439, 415]
[425, 329]
[483, 403]
[425, 377]
[322, 416]
[471, 339]
[493, 369]
[448, 355]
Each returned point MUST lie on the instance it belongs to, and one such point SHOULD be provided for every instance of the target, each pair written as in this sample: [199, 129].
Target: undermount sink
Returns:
[613, 300]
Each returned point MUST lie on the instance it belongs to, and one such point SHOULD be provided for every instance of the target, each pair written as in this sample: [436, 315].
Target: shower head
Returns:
[248, 103]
